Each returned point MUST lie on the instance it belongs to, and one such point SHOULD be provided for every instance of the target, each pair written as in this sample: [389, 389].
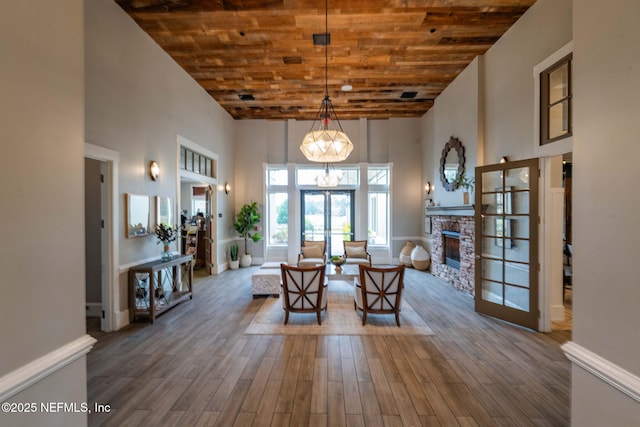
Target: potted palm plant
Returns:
[247, 226]
[233, 253]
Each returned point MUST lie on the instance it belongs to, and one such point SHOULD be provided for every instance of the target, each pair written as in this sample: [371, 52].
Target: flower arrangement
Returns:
[166, 234]
[465, 182]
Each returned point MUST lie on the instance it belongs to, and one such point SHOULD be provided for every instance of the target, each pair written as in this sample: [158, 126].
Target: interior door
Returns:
[328, 215]
[506, 271]
[211, 226]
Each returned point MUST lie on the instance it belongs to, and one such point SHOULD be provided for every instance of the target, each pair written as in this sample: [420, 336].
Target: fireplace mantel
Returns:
[455, 210]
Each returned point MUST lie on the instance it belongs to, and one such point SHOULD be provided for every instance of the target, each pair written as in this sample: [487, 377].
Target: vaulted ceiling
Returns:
[258, 60]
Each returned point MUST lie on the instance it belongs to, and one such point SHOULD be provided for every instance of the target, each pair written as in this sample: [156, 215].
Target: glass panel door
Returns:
[507, 242]
[340, 220]
[328, 215]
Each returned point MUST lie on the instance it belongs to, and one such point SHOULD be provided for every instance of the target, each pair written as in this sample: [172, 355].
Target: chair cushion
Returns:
[310, 262]
[357, 261]
[314, 251]
[355, 251]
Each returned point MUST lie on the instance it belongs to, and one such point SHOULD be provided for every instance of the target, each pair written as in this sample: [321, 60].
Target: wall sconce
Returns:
[227, 187]
[427, 187]
[154, 170]
[504, 159]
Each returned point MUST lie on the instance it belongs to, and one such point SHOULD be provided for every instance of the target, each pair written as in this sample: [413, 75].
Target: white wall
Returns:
[137, 101]
[456, 114]
[376, 141]
[42, 208]
[508, 78]
[606, 233]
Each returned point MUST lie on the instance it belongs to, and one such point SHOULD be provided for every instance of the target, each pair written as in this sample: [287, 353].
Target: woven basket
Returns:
[405, 254]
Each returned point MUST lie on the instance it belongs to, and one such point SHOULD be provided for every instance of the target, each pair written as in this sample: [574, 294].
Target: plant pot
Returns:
[245, 260]
[234, 265]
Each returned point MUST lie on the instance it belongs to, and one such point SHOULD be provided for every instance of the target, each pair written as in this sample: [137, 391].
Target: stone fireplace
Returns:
[453, 246]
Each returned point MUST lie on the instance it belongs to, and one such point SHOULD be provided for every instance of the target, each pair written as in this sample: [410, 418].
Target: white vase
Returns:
[234, 265]
[420, 258]
[245, 260]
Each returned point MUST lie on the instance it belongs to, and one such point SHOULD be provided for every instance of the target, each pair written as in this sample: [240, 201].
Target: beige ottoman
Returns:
[266, 281]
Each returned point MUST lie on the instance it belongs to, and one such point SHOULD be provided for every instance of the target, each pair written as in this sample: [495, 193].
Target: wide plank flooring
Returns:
[195, 367]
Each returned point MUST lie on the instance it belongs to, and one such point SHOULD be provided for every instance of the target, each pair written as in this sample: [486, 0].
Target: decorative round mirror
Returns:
[451, 164]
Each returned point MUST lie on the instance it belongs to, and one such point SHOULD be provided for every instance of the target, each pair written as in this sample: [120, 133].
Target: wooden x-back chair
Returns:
[379, 291]
[304, 290]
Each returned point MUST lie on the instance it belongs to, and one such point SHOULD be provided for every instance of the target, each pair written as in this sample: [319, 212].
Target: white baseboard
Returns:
[94, 309]
[16, 381]
[557, 313]
[609, 372]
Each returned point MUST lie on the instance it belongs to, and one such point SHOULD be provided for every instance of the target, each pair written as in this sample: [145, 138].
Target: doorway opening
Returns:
[564, 323]
[101, 218]
[197, 223]
[328, 215]
[197, 192]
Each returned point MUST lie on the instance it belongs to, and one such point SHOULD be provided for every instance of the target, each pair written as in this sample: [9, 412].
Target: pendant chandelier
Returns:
[329, 178]
[328, 143]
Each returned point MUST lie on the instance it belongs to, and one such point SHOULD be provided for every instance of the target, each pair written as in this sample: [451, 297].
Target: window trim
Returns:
[560, 146]
[273, 189]
[545, 104]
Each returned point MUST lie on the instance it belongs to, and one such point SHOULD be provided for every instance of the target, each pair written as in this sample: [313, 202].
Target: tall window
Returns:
[379, 205]
[555, 101]
[277, 206]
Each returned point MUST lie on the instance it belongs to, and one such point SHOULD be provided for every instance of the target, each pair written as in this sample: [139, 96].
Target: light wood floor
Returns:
[195, 366]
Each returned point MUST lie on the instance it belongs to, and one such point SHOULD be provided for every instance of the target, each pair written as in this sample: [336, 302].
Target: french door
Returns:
[506, 244]
[328, 215]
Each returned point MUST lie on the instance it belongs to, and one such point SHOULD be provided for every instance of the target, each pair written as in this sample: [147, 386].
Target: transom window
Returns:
[555, 101]
[197, 163]
[327, 176]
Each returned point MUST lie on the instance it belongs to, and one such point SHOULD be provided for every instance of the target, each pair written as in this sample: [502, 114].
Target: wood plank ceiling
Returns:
[257, 58]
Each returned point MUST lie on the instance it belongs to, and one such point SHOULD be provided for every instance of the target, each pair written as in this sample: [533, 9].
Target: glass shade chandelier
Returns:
[328, 143]
[330, 178]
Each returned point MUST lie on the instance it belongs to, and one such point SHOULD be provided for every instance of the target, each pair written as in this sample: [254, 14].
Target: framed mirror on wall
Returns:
[137, 215]
[164, 211]
[451, 164]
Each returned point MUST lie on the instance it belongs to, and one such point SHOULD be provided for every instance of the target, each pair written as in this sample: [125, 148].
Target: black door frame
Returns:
[327, 213]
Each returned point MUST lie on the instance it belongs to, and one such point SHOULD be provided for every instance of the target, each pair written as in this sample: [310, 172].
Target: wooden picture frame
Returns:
[137, 222]
[164, 211]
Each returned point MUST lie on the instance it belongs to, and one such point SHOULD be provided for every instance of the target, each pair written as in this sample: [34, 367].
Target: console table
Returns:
[156, 286]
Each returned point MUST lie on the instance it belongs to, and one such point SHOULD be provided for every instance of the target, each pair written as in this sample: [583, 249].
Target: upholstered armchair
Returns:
[304, 290]
[379, 291]
[312, 252]
[355, 252]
